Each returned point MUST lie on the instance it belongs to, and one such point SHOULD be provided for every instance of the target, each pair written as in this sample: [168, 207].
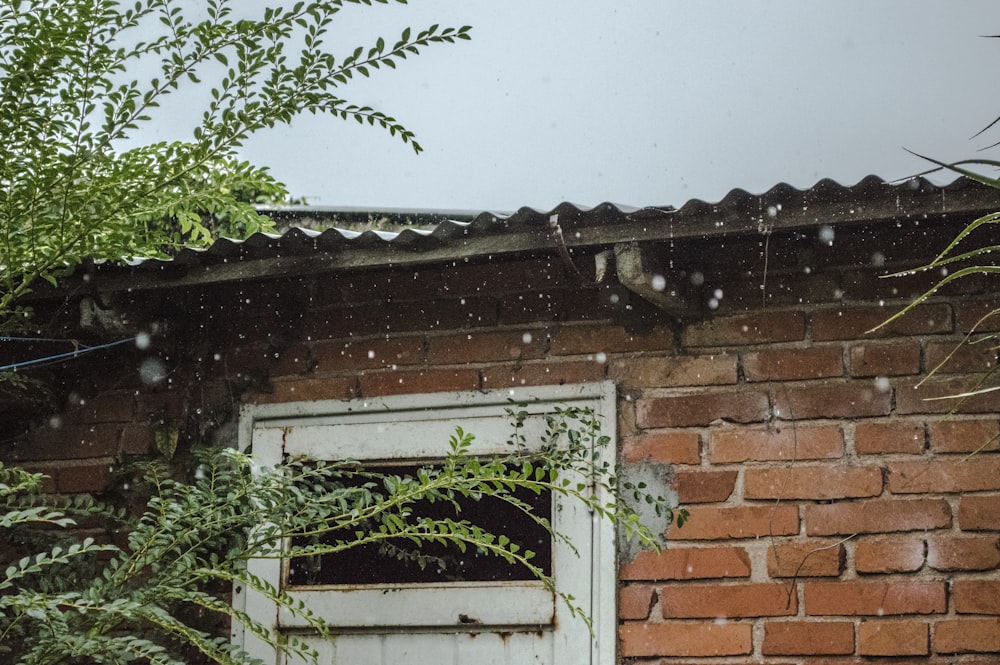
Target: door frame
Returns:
[601, 606]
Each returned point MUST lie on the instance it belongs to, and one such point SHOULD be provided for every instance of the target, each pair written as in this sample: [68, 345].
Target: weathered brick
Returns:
[483, 346]
[933, 396]
[807, 638]
[965, 357]
[137, 439]
[964, 436]
[877, 516]
[945, 475]
[787, 364]
[792, 442]
[838, 400]
[543, 373]
[579, 340]
[950, 552]
[691, 410]
[678, 447]
[810, 558]
[113, 407]
[688, 563]
[756, 328]
[885, 359]
[979, 513]
[853, 598]
[893, 638]
[307, 390]
[684, 639]
[674, 371]
[719, 523]
[373, 384]
[813, 482]
[704, 486]
[977, 315]
[69, 442]
[894, 436]
[967, 635]
[88, 477]
[899, 554]
[859, 322]
[635, 601]
[347, 356]
[976, 596]
[713, 601]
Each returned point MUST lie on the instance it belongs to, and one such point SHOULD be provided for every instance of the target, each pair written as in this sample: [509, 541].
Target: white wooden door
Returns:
[446, 623]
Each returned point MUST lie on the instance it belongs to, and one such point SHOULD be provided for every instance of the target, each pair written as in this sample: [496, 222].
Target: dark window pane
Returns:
[401, 562]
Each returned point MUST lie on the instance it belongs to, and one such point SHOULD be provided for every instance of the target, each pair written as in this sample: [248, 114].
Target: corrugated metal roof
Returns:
[453, 235]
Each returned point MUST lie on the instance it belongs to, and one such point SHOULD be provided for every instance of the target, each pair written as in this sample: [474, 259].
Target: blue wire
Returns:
[59, 356]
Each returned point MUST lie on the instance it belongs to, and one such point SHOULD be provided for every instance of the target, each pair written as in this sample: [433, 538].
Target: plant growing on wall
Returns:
[155, 598]
[73, 184]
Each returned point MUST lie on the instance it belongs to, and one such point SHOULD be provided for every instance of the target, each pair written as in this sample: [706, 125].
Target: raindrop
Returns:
[526, 338]
[697, 278]
[882, 384]
[152, 371]
[601, 357]
[718, 294]
[371, 354]
[713, 303]
[659, 282]
[142, 341]
[55, 422]
[878, 259]
[826, 234]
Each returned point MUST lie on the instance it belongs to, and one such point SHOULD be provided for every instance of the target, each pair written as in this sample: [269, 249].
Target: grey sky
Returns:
[649, 102]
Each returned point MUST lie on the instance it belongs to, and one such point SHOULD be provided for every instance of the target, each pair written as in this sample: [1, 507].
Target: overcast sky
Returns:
[649, 102]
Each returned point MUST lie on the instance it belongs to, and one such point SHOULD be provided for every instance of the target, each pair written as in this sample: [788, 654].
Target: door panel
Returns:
[513, 622]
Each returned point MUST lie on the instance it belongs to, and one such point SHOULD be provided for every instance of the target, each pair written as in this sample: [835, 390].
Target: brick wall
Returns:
[836, 514]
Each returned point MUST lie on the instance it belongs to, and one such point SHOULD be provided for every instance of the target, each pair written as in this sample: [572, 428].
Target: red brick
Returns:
[161, 405]
[813, 482]
[936, 395]
[965, 357]
[853, 598]
[541, 374]
[877, 516]
[579, 340]
[685, 639]
[859, 322]
[963, 553]
[786, 364]
[635, 601]
[704, 486]
[756, 328]
[347, 356]
[894, 436]
[838, 400]
[981, 472]
[967, 635]
[979, 513]
[713, 601]
[667, 447]
[793, 442]
[307, 390]
[793, 638]
[976, 596]
[648, 372]
[893, 638]
[888, 359]
[692, 410]
[374, 384]
[964, 436]
[720, 523]
[478, 347]
[810, 558]
[530, 274]
[889, 555]
[69, 442]
[688, 563]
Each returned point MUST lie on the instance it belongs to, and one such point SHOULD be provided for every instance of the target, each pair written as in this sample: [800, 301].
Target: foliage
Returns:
[73, 184]
[972, 252]
[194, 539]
